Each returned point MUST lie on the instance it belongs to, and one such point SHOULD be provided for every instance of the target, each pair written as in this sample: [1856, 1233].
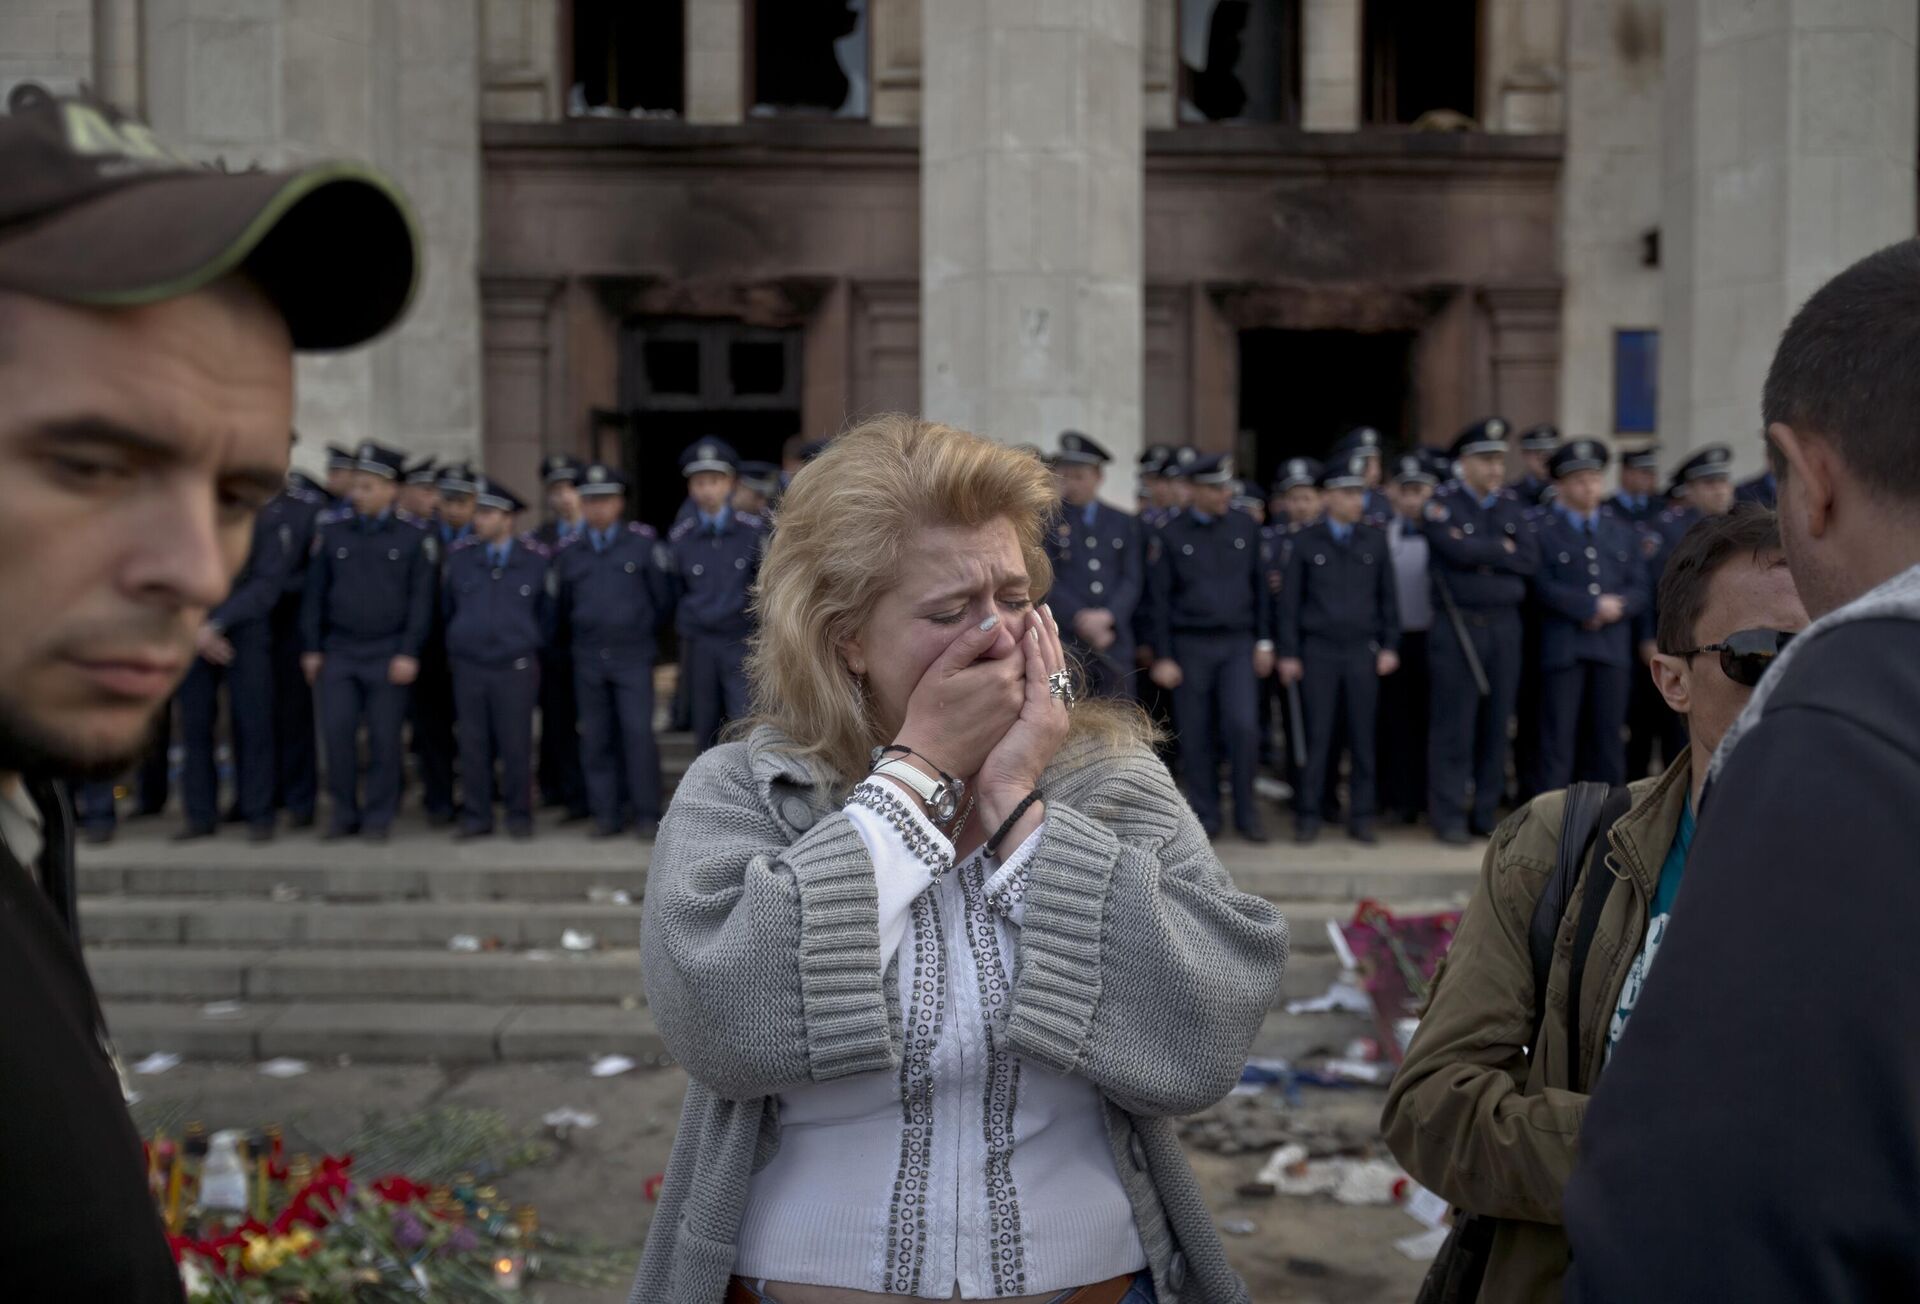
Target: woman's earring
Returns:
[859, 691]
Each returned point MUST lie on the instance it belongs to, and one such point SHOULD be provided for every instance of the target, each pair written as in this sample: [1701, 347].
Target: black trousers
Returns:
[1215, 706]
[1467, 747]
[1583, 708]
[1528, 774]
[354, 689]
[614, 688]
[715, 669]
[1341, 687]
[561, 782]
[496, 727]
[296, 771]
[249, 682]
[434, 711]
[1405, 697]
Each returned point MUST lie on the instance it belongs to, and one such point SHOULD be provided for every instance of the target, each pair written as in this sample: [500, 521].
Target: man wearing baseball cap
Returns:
[149, 312]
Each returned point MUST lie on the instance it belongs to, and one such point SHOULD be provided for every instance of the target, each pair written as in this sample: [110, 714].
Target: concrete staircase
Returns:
[223, 950]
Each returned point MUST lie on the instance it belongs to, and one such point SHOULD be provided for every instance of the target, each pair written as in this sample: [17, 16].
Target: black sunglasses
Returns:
[1747, 653]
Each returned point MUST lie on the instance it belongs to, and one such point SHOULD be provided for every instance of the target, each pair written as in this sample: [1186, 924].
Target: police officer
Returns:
[498, 597]
[1338, 632]
[1295, 504]
[717, 559]
[341, 464]
[1366, 442]
[615, 595]
[296, 773]
[1298, 488]
[1702, 487]
[1638, 503]
[1590, 588]
[561, 781]
[1538, 444]
[419, 490]
[1211, 613]
[1099, 568]
[369, 606]
[1481, 555]
[758, 486]
[1405, 700]
[434, 708]
[235, 644]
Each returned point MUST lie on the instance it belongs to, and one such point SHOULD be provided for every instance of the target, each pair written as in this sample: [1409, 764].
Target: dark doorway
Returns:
[628, 57]
[1302, 390]
[1420, 55]
[684, 379]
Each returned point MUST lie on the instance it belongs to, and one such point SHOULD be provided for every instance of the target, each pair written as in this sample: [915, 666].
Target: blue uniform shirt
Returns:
[370, 585]
[1467, 548]
[1098, 562]
[1339, 586]
[498, 601]
[1207, 575]
[1582, 558]
[716, 561]
[614, 590]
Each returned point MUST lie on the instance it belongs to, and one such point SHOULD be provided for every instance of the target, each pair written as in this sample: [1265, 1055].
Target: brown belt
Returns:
[1111, 1291]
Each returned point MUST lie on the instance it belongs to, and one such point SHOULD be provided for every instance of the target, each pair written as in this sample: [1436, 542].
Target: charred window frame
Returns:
[1239, 61]
[810, 58]
[1419, 57]
[626, 58]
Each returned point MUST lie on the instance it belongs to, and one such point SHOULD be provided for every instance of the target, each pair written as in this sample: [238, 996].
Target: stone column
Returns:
[1330, 65]
[116, 53]
[1031, 223]
[716, 60]
[1790, 153]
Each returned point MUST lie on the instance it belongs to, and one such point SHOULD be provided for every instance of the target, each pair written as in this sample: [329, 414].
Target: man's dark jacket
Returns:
[1757, 1134]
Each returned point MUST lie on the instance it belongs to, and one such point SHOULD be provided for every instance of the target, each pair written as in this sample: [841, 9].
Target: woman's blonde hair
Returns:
[838, 536]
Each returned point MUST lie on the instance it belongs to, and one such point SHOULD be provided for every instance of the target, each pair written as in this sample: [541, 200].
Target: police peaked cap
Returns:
[708, 455]
[1412, 468]
[1077, 449]
[762, 477]
[1360, 439]
[341, 458]
[1642, 459]
[1296, 472]
[1541, 439]
[457, 478]
[421, 472]
[1578, 455]
[1488, 436]
[1215, 469]
[558, 468]
[599, 479]
[379, 460]
[489, 492]
[1711, 461]
[1349, 472]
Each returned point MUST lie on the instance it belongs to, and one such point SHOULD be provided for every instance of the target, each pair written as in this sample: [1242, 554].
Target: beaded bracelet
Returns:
[1006, 827]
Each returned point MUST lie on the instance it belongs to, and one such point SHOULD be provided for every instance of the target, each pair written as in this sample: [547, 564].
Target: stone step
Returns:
[396, 1031]
[251, 921]
[358, 876]
[140, 973]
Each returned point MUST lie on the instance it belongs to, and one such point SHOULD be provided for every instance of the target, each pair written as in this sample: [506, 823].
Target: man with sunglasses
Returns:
[1471, 1115]
[1758, 1135]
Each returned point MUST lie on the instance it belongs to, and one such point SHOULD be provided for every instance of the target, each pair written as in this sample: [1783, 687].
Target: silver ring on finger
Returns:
[1060, 685]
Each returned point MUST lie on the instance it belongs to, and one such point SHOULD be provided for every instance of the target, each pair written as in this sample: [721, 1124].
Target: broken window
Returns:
[810, 56]
[1420, 57]
[1240, 61]
[628, 58]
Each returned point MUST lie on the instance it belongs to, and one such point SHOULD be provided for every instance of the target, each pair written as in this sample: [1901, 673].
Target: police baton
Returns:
[1460, 632]
[1296, 726]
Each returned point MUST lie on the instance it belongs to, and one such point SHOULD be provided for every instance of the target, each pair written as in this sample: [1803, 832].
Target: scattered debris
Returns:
[222, 1010]
[608, 1066]
[283, 1068]
[158, 1062]
[1423, 1247]
[284, 893]
[575, 940]
[1344, 997]
[564, 1119]
[1346, 1179]
[1238, 1227]
[609, 896]
[1365, 1072]
[464, 942]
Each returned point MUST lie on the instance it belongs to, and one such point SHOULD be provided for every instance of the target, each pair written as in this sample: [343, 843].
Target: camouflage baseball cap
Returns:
[96, 210]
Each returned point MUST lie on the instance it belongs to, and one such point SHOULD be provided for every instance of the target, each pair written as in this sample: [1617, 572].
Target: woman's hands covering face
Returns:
[1014, 766]
[968, 698]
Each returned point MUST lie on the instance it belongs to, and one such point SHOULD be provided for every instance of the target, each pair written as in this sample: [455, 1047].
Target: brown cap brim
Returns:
[333, 245]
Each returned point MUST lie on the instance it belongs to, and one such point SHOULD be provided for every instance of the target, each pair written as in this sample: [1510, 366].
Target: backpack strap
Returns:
[1578, 826]
[1594, 891]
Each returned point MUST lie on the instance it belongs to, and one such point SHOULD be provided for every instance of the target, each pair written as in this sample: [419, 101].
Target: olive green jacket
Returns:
[1467, 1115]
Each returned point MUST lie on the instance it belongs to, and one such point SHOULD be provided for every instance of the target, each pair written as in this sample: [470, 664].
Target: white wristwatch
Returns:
[942, 799]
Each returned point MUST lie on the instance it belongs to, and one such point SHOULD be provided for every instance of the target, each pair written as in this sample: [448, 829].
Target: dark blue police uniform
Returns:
[434, 710]
[716, 564]
[561, 781]
[296, 773]
[246, 621]
[1098, 564]
[499, 601]
[1338, 611]
[1647, 711]
[615, 595]
[1208, 600]
[370, 598]
[1584, 671]
[1481, 555]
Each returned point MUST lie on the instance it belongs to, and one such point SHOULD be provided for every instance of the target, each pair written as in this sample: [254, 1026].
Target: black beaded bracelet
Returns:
[1006, 826]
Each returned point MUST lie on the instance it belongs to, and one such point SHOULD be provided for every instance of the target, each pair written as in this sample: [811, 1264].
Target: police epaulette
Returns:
[302, 493]
[461, 545]
[568, 542]
[417, 522]
[532, 545]
[335, 515]
[751, 520]
[644, 531]
[684, 528]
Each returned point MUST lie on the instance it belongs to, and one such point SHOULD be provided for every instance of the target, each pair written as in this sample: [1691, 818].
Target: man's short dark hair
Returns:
[1848, 371]
[1749, 531]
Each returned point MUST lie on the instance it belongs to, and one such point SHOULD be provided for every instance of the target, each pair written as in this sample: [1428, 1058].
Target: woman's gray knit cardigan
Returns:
[1139, 967]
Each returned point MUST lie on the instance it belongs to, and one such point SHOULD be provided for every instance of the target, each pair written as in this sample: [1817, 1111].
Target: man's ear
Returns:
[1673, 678]
[1810, 463]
